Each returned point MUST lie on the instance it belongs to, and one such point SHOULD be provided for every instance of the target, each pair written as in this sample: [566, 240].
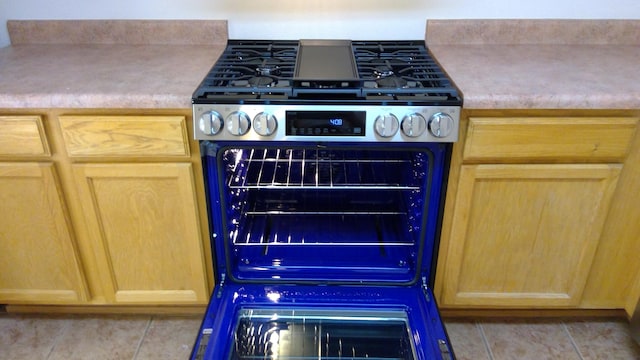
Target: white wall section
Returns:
[295, 19]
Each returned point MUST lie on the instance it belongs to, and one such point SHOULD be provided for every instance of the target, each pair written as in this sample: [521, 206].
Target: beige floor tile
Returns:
[29, 336]
[101, 338]
[525, 340]
[169, 338]
[603, 340]
[466, 340]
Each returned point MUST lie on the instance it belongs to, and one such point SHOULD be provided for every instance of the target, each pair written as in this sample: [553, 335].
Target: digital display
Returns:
[326, 123]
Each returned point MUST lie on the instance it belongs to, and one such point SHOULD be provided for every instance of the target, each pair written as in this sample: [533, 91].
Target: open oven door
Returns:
[324, 252]
[287, 322]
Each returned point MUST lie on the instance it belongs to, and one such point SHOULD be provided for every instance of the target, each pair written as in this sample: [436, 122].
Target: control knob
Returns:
[210, 123]
[265, 124]
[441, 124]
[413, 125]
[386, 125]
[238, 123]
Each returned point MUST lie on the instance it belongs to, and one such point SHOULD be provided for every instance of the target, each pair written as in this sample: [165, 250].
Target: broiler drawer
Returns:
[589, 139]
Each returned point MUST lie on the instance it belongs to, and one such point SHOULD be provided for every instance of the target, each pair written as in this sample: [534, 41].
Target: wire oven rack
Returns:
[320, 169]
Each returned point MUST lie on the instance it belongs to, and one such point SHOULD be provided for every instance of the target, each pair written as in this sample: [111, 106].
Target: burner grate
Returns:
[261, 71]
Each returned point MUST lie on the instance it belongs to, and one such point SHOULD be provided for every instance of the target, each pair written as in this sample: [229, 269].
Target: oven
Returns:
[325, 203]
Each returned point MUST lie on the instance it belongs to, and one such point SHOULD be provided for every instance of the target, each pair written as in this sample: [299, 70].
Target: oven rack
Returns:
[334, 229]
[318, 169]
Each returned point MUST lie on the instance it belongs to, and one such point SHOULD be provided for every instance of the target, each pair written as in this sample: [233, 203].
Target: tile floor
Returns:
[71, 337]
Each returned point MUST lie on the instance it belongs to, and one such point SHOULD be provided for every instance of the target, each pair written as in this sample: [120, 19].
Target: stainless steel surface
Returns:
[210, 117]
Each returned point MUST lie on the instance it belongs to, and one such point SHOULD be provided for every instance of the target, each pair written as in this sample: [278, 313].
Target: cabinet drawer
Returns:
[561, 139]
[125, 136]
[22, 136]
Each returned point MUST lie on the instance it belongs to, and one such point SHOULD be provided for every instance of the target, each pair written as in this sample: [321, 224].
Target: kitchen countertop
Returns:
[540, 64]
[509, 64]
[107, 64]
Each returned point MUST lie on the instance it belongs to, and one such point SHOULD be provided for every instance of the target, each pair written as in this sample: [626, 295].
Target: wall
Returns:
[295, 19]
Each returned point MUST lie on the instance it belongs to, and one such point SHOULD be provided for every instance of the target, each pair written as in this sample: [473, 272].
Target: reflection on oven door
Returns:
[287, 334]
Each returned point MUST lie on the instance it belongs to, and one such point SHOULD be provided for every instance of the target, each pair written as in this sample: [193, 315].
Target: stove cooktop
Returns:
[333, 71]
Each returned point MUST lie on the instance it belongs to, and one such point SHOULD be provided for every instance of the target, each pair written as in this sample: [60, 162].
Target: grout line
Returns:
[573, 343]
[144, 335]
[68, 321]
[485, 341]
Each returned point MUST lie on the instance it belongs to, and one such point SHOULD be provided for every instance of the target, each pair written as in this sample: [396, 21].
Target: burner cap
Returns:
[382, 71]
[261, 81]
[392, 82]
[268, 70]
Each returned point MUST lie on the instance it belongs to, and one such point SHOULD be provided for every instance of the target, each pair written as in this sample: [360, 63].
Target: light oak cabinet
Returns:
[100, 210]
[528, 204]
[38, 258]
[140, 210]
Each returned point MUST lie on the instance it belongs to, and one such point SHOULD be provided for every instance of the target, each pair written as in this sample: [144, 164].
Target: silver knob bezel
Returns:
[413, 125]
[435, 124]
[265, 123]
[381, 128]
[211, 123]
[238, 123]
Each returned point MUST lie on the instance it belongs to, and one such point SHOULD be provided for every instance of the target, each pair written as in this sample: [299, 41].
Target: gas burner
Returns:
[268, 70]
[261, 81]
[383, 71]
[391, 82]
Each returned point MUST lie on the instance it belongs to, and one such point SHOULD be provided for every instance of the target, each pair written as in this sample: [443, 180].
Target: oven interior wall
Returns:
[310, 213]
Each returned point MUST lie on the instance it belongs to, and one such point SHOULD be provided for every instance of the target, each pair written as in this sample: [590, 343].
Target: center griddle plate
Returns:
[326, 64]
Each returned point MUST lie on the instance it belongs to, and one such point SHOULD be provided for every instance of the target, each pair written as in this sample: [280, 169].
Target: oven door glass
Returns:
[310, 322]
[326, 214]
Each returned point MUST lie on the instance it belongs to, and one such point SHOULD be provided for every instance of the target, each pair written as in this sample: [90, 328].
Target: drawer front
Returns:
[22, 136]
[561, 139]
[125, 136]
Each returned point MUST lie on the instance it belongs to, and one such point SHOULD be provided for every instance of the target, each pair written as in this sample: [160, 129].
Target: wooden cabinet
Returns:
[527, 206]
[140, 211]
[38, 257]
[101, 210]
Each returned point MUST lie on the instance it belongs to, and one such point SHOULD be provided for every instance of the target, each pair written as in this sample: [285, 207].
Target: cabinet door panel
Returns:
[525, 235]
[38, 260]
[144, 229]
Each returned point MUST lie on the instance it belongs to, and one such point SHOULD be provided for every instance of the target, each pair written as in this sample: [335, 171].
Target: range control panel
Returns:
[323, 123]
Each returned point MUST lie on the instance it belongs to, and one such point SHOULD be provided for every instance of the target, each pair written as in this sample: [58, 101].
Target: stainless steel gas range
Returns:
[325, 163]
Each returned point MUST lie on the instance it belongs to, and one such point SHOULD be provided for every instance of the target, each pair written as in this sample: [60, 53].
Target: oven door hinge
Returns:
[209, 148]
[204, 341]
[425, 288]
[444, 350]
[223, 277]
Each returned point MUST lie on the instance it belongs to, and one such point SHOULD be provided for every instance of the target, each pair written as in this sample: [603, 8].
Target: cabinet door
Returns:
[525, 235]
[144, 229]
[38, 260]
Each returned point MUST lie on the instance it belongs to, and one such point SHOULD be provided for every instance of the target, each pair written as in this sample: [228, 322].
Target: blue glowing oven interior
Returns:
[318, 214]
[323, 251]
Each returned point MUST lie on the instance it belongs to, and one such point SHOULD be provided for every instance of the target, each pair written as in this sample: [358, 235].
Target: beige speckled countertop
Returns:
[541, 64]
[497, 64]
[107, 64]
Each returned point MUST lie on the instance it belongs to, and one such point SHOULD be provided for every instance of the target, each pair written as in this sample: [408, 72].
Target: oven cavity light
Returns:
[274, 297]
